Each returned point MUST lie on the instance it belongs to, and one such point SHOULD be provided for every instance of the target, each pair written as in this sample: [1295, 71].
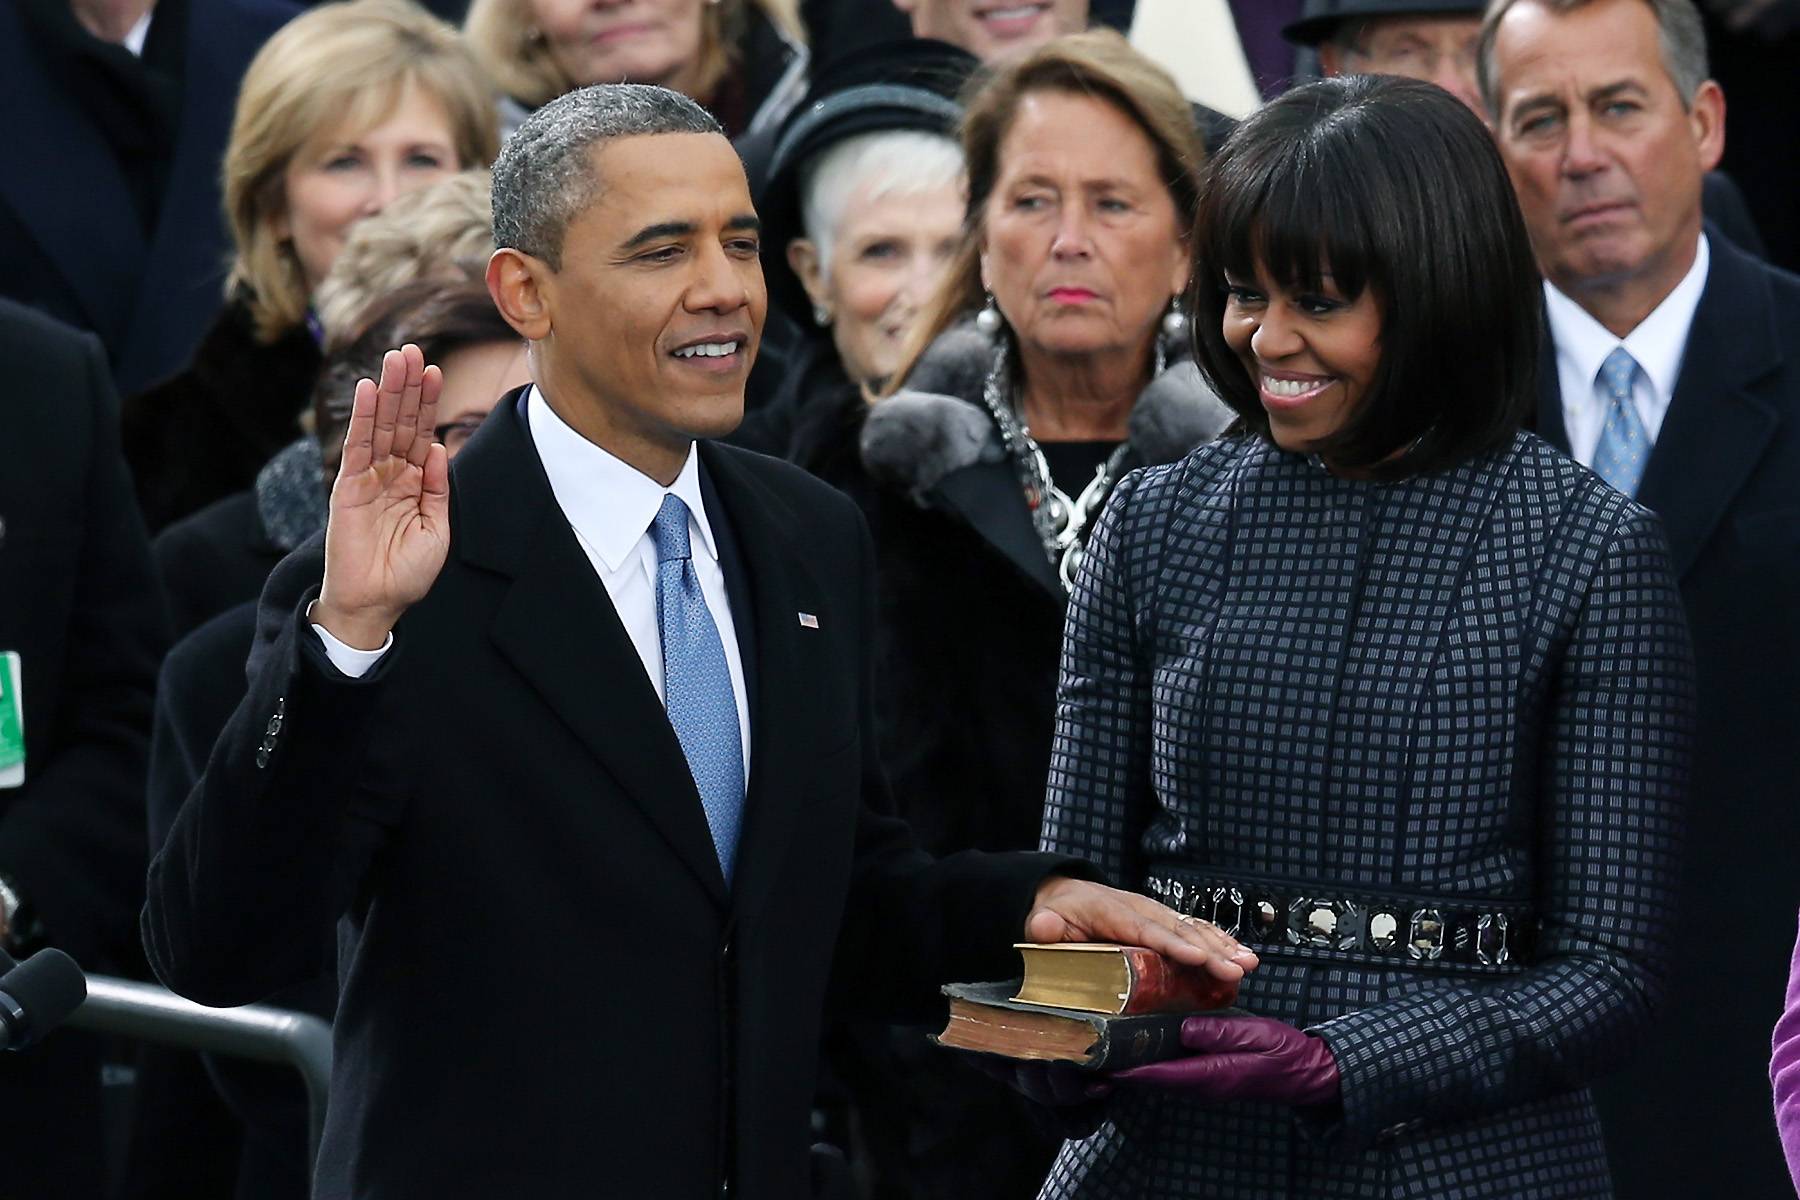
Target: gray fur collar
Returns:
[937, 424]
[292, 493]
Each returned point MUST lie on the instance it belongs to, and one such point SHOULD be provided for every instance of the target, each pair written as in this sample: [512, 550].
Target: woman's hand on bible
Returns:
[1075, 910]
[388, 532]
[1245, 1058]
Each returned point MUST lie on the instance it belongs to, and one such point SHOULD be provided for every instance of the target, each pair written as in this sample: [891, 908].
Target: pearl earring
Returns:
[1175, 322]
[821, 316]
[989, 322]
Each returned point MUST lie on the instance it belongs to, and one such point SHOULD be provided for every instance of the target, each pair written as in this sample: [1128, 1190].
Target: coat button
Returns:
[262, 758]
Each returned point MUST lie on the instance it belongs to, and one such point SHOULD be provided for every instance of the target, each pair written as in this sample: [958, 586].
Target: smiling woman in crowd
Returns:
[1393, 692]
[346, 108]
[745, 60]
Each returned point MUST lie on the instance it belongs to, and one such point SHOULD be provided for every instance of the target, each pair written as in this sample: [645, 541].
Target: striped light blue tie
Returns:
[697, 682]
[1624, 445]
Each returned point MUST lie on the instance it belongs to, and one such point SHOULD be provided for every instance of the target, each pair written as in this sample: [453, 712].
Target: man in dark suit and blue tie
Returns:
[1676, 376]
[574, 749]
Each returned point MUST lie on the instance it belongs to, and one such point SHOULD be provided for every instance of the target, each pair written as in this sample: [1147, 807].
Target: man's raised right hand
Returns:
[389, 528]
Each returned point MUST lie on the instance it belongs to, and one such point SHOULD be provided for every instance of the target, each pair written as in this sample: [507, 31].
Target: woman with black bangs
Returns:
[1393, 692]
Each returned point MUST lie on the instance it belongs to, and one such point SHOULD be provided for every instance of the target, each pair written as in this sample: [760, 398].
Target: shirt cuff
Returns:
[348, 659]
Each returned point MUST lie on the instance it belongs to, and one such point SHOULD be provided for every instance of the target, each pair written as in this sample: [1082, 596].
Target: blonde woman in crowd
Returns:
[347, 108]
[745, 60]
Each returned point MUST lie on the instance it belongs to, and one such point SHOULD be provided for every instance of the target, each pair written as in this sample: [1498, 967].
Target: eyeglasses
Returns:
[456, 434]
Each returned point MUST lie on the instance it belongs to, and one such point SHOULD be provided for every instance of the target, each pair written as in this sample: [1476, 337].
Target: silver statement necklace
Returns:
[1062, 524]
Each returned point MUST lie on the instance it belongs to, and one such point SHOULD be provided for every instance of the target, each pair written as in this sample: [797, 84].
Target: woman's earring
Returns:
[989, 322]
[1175, 322]
[821, 316]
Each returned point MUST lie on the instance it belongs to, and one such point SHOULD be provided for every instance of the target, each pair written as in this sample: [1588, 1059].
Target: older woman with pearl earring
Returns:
[1052, 361]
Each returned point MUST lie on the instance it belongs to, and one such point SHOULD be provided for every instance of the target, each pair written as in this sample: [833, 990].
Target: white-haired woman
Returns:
[862, 214]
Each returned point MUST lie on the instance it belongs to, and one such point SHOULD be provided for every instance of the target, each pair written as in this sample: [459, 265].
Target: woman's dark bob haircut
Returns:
[1390, 185]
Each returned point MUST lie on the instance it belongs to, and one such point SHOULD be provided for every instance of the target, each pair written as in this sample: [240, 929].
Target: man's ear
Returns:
[1707, 117]
[906, 6]
[522, 288]
[1331, 59]
[803, 257]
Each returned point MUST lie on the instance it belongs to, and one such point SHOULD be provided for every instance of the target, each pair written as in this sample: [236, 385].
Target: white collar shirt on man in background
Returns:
[1658, 344]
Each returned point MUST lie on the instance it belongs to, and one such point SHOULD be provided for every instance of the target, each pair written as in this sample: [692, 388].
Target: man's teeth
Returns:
[1013, 14]
[1291, 387]
[708, 350]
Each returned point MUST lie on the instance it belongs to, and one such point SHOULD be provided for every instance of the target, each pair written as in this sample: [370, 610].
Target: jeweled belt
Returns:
[1335, 922]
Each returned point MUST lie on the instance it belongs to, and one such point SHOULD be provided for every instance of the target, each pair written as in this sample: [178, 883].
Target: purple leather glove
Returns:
[1246, 1058]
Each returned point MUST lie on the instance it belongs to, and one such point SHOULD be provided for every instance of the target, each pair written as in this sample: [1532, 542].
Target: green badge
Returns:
[12, 721]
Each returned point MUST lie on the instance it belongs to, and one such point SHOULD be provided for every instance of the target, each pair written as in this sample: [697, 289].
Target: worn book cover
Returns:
[985, 1018]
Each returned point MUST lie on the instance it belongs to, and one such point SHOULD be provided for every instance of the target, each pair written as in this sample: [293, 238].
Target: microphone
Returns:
[37, 995]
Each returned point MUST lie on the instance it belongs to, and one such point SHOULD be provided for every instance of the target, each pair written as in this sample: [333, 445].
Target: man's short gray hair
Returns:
[1679, 29]
[544, 177]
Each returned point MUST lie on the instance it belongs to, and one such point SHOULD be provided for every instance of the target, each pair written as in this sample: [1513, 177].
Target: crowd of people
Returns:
[1345, 542]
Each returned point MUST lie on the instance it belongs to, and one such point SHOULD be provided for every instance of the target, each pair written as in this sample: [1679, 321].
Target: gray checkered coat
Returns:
[1470, 685]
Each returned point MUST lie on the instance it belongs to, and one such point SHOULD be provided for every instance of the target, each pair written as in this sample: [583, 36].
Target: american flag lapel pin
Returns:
[808, 621]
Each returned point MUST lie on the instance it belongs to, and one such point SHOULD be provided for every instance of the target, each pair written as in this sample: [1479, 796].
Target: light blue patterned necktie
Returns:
[1624, 445]
[697, 682]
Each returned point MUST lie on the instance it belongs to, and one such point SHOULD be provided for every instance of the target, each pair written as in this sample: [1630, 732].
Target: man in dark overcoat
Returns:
[1675, 373]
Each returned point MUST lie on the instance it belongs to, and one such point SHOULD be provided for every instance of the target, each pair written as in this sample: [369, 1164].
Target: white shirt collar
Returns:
[139, 33]
[1658, 343]
[608, 502]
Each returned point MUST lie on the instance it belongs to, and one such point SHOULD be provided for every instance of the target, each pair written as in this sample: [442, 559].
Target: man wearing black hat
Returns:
[1433, 40]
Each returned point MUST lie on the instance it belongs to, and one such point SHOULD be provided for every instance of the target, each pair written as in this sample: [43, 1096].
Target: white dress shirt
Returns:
[610, 505]
[139, 33]
[1658, 344]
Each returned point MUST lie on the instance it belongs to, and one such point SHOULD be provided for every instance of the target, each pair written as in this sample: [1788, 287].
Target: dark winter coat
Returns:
[205, 433]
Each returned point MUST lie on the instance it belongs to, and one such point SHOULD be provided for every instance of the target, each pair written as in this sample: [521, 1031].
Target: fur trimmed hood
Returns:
[937, 424]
